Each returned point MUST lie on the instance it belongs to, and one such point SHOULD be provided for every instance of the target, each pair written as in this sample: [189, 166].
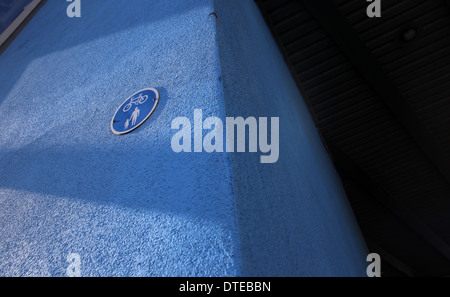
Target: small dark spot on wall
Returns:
[23, 45]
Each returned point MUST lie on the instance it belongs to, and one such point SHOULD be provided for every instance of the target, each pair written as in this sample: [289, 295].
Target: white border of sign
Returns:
[137, 126]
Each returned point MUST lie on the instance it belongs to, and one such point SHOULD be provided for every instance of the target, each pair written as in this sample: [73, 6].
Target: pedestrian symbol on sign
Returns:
[134, 116]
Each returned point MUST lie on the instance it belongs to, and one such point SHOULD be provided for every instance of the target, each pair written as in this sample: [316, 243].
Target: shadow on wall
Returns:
[293, 216]
[98, 176]
[51, 30]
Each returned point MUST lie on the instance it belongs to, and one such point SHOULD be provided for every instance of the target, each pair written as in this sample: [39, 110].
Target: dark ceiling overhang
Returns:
[378, 90]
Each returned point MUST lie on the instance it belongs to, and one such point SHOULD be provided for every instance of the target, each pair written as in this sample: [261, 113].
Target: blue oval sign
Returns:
[134, 111]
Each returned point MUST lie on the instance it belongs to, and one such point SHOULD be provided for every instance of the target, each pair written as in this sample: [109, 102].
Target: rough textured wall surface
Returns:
[128, 205]
[294, 218]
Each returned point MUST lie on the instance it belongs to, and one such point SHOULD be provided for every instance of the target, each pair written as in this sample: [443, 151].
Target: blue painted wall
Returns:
[129, 205]
[293, 216]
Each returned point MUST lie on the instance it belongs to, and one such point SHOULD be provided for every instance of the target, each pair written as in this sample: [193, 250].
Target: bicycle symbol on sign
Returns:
[135, 101]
